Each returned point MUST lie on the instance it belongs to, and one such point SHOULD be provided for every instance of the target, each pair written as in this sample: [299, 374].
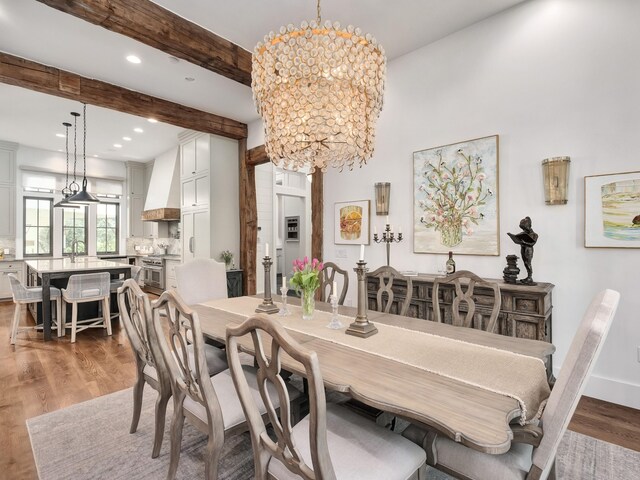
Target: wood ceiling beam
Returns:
[162, 29]
[42, 78]
[257, 156]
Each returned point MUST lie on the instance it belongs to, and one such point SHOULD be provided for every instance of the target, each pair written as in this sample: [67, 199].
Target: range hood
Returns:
[163, 195]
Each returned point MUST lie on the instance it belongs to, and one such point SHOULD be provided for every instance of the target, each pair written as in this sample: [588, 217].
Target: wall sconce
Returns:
[383, 191]
[556, 180]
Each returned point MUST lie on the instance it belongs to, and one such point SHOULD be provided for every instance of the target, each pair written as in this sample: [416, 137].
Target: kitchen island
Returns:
[47, 270]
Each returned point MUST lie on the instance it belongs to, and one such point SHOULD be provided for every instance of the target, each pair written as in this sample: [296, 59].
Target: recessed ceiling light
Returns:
[138, 130]
[61, 135]
[126, 139]
[190, 79]
[152, 120]
[117, 145]
[133, 59]
[60, 150]
[96, 156]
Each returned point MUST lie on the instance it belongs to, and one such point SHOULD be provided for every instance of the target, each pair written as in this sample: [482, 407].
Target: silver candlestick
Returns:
[284, 311]
[388, 238]
[335, 323]
[362, 327]
[267, 305]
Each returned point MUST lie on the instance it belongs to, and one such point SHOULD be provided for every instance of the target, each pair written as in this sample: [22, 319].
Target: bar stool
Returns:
[25, 295]
[83, 288]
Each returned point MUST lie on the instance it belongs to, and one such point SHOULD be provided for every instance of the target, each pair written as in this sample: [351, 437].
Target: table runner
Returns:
[517, 376]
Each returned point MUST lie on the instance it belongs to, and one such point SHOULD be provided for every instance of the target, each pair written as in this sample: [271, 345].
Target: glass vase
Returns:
[308, 304]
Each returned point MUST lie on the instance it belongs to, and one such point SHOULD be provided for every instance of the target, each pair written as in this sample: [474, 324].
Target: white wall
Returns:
[551, 77]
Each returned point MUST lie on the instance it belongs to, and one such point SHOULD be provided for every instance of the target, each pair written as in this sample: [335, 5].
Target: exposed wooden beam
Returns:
[257, 156]
[159, 28]
[42, 78]
[317, 206]
[248, 220]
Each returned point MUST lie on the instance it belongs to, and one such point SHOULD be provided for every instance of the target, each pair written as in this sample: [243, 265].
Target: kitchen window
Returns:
[38, 219]
[74, 227]
[107, 227]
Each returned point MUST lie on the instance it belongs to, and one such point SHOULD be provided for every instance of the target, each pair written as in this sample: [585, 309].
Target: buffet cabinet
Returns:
[525, 311]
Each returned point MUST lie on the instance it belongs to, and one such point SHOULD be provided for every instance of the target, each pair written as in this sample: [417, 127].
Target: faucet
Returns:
[74, 249]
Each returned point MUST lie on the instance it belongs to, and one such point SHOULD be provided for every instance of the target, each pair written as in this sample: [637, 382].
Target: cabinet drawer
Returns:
[10, 266]
[527, 304]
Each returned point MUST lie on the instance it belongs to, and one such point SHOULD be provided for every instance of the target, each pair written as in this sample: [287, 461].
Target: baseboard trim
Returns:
[611, 390]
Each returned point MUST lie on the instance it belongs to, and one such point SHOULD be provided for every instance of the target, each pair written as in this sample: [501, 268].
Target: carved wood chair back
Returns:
[283, 448]
[387, 276]
[471, 280]
[328, 277]
[135, 309]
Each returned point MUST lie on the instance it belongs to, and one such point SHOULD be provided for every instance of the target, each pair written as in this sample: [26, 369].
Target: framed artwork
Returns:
[456, 198]
[351, 224]
[612, 210]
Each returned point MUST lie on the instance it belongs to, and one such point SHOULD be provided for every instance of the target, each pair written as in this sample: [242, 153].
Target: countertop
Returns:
[10, 259]
[65, 265]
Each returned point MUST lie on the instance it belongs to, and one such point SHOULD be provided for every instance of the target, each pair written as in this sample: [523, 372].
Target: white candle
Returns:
[284, 282]
[375, 230]
[266, 249]
[335, 289]
[400, 230]
[362, 253]
[391, 230]
[387, 220]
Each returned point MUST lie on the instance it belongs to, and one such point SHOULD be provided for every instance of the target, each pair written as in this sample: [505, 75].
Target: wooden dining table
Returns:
[473, 416]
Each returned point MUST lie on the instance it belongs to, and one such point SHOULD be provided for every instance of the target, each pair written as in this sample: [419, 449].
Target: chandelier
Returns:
[319, 91]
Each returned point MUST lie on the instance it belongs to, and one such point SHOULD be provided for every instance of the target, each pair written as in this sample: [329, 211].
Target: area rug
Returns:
[91, 440]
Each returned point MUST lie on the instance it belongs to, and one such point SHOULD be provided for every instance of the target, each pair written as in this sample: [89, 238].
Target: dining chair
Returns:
[209, 403]
[471, 320]
[83, 288]
[332, 441]
[328, 277]
[200, 280]
[25, 295]
[533, 450]
[387, 276]
[135, 308]
[118, 282]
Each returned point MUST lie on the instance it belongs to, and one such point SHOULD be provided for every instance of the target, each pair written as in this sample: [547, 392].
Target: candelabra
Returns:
[388, 238]
[335, 323]
[284, 311]
[267, 305]
[362, 327]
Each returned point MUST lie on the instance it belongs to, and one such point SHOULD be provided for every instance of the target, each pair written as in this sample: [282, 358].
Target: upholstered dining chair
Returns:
[200, 280]
[328, 277]
[25, 295]
[209, 403]
[533, 456]
[332, 441]
[83, 288]
[387, 276]
[471, 280]
[118, 282]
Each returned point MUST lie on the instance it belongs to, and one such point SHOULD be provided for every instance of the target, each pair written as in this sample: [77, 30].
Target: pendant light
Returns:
[83, 196]
[66, 191]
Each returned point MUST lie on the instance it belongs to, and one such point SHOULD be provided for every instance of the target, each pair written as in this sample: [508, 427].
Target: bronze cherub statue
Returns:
[526, 239]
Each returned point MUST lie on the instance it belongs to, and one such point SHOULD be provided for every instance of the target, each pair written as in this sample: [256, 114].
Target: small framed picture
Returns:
[612, 210]
[351, 222]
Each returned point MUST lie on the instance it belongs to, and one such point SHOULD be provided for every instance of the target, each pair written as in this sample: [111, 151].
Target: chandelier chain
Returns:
[319, 16]
[66, 144]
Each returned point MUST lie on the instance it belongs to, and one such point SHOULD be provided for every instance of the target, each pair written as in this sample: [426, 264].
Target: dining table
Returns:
[422, 371]
[62, 268]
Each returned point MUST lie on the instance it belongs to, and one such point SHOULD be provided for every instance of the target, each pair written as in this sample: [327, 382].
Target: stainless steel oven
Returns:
[153, 269]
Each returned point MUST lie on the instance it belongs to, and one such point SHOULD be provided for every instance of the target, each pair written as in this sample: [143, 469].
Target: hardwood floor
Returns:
[38, 377]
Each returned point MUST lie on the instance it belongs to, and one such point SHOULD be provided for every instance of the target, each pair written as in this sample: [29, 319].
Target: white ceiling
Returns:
[32, 30]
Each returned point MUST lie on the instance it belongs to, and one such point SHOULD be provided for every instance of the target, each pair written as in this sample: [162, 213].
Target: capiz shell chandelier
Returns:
[319, 90]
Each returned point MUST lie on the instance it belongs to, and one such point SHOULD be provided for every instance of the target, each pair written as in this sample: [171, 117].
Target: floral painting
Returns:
[612, 210]
[352, 222]
[456, 198]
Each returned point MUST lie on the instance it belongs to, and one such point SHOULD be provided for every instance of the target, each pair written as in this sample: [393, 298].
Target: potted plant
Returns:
[306, 280]
[227, 257]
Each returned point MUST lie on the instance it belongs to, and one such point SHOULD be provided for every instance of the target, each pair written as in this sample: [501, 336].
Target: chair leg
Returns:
[59, 316]
[16, 320]
[74, 321]
[214, 449]
[64, 315]
[176, 438]
[161, 414]
[106, 314]
[138, 389]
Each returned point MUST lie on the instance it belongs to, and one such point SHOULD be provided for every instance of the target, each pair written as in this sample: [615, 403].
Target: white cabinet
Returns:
[195, 155]
[196, 191]
[7, 211]
[155, 229]
[196, 235]
[136, 225]
[170, 273]
[135, 179]
[6, 268]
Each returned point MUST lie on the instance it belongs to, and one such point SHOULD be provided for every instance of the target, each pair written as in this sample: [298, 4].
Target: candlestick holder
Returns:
[267, 306]
[335, 323]
[388, 238]
[362, 327]
[284, 311]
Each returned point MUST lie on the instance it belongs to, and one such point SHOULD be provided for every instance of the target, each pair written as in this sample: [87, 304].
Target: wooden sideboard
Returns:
[525, 310]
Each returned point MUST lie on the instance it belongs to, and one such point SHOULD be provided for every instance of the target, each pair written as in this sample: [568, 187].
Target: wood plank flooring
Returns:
[38, 377]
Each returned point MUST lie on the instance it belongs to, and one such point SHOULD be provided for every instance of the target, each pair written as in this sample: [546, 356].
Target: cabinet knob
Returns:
[193, 173]
[194, 204]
